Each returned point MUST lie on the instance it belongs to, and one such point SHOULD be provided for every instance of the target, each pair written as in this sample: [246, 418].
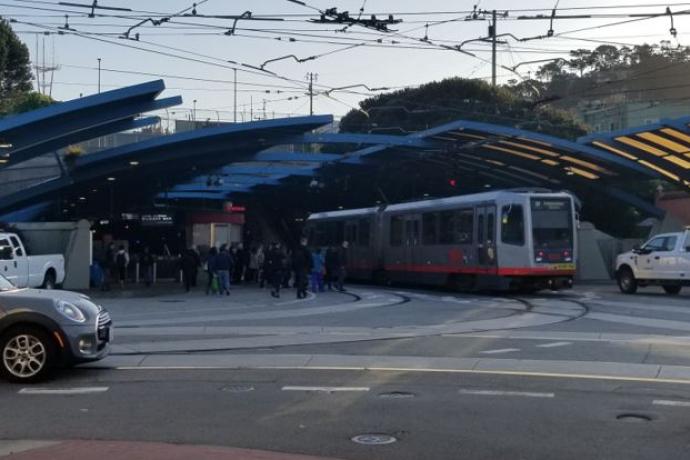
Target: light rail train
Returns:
[505, 240]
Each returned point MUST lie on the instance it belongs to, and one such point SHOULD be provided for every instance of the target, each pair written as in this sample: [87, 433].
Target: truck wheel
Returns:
[27, 355]
[49, 280]
[626, 281]
[671, 289]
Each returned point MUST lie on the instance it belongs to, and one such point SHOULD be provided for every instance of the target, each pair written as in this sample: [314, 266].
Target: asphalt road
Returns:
[582, 374]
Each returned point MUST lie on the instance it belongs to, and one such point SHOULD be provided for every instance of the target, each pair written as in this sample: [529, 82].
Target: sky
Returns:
[198, 50]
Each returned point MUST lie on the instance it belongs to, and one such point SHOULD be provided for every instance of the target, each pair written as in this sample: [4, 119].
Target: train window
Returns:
[351, 233]
[447, 233]
[456, 226]
[430, 228]
[364, 232]
[464, 226]
[513, 225]
[491, 227]
[396, 235]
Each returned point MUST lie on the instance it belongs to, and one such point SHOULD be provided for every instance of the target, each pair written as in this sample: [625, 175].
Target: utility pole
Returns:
[264, 108]
[99, 75]
[194, 112]
[311, 77]
[492, 33]
[251, 108]
[235, 96]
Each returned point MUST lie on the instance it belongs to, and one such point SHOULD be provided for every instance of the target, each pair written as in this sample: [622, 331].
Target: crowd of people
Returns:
[269, 265]
[276, 267]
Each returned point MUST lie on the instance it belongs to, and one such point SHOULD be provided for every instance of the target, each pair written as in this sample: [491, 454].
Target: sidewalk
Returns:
[123, 450]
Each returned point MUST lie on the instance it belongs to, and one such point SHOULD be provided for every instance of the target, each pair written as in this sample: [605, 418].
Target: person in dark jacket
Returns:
[146, 262]
[332, 264]
[189, 268]
[301, 264]
[211, 270]
[194, 252]
[342, 266]
[275, 261]
[223, 269]
[109, 268]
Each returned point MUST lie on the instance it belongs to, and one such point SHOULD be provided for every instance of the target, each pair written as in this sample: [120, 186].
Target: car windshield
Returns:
[6, 285]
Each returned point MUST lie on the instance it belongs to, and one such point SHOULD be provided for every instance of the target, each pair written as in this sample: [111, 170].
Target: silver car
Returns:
[41, 330]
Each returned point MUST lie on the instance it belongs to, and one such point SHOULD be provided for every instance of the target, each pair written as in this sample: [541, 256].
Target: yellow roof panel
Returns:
[677, 134]
[615, 150]
[642, 146]
[660, 170]
[669, 144]
[513, 152]
[548, 153]
[678, 161]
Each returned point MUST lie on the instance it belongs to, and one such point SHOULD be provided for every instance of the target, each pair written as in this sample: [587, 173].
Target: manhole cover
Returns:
[397, 395]
[171, 301]
[237, 388]
[634, 418]
[373, 439]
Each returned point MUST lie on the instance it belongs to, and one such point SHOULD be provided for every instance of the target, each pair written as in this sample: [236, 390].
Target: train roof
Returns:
[344, 213]
[486, 196]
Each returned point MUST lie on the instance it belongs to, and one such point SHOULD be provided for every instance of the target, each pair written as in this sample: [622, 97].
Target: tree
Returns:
[582, 60]
[432, 104]
[24, 102]
[15, 66]
[606, 57]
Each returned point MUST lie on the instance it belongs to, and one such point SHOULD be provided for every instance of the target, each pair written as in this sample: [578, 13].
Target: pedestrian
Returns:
[287, 269]
[275, 259]
[223, 267]
[317, 270]
[331, 267]
[108, 263]
[302, 265]
[122, 262]
[261, 260]
[342, 266]
[189, 268]
[212, 286]
[146, 261]
[253, 266]
[244, 256]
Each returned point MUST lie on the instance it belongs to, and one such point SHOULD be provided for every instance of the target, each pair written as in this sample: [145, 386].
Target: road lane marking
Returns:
[666, 402]
[62, 391]
[325, 389]
[501, 350]
[554, 344]
[526, 394]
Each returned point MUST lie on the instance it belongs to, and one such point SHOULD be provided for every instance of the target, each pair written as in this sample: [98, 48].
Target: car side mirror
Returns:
[6, 253]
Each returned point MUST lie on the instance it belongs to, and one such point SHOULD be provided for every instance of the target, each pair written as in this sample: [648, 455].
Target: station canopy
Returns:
[222, 161]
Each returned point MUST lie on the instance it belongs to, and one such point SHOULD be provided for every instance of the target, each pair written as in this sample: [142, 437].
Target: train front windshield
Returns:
[552, 223]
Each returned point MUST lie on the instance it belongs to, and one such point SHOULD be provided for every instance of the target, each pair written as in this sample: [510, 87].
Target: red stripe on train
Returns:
[508, 271]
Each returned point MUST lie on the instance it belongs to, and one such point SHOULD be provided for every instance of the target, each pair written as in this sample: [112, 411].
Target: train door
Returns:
[486, 238]
[413, 234]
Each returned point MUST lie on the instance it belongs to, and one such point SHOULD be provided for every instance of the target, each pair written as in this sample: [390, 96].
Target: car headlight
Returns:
[70, 311]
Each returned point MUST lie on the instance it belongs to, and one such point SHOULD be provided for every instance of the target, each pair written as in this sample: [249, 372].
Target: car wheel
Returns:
[626, 281]
[27, 354]
[672, 289]
[49, 281]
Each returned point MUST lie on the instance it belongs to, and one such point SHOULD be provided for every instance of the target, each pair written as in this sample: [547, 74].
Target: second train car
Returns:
[506, 240]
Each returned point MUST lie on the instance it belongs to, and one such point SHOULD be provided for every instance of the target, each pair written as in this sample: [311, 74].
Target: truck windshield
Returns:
[5, 285]
[552, 223]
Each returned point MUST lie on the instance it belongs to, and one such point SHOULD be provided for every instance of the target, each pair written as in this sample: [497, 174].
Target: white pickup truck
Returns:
[23, 270]
[663, 261]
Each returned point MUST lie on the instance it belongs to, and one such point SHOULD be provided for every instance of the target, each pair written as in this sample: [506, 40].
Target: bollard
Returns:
[136, 273]
[155, 272]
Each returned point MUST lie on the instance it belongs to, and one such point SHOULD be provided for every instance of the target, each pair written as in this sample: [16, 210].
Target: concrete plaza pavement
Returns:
[587, 373]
